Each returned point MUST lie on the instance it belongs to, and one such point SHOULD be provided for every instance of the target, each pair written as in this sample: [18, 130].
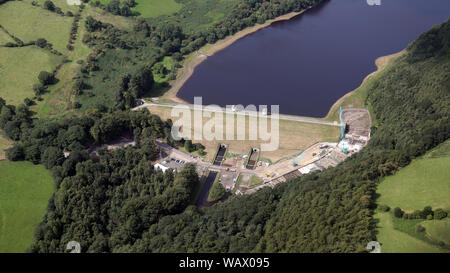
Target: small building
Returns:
[308, 168]
[161, 167]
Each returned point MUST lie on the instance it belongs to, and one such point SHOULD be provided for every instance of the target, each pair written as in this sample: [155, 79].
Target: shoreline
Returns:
[209, 50]
[381, 63]
[199, 56]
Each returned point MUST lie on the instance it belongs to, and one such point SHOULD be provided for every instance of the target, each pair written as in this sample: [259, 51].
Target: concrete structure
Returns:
[161, 167]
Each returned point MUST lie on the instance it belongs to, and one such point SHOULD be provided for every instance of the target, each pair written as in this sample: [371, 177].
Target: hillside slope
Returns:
[329, 211]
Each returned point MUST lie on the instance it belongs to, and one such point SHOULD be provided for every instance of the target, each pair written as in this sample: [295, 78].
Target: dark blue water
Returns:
[307, 63]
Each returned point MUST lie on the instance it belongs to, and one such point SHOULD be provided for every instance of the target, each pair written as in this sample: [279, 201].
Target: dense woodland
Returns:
[116, 202]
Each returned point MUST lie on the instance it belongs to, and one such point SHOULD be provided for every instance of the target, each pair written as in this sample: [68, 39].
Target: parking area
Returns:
[174, 163]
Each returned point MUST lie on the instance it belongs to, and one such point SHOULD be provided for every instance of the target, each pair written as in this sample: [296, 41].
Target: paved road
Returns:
[249, 113]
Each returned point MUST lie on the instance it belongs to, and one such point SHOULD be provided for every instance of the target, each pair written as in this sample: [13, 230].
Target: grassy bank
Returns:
[24, 193]
[211, 197]
[294, 136]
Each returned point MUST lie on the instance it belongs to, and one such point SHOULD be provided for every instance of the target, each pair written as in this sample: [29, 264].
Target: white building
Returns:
[308, 168]
[161, 167]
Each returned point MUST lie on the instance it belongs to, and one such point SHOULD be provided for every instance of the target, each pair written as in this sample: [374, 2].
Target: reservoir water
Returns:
[307, 63]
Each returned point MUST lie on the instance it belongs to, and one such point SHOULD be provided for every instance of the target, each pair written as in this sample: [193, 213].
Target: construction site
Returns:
[247, 173]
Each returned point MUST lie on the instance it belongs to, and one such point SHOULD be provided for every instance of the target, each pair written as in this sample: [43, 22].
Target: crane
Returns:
[344, 150]
[342, 124]
[297, 160]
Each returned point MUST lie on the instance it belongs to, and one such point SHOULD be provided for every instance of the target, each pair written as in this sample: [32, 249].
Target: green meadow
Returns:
[5, 38]
[58, 3]
[395, 241]
[153, 8]
[424, 182]
[19, 68]
[24, 193]
[439, 230]
[191, 15]
[56, 100]
[29, 23]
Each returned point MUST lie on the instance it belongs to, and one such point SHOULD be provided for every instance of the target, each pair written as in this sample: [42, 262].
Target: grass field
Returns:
[422, 183]
[294, 137]
[19, 68]
[153, 8]
[24, 192]
[395, 241]
[438, 230]
[118, 21]
[29, 23]
[199, 14]
[425, 182]
[5, 38]
[5, 143]
[58, 3]
[56, 101]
